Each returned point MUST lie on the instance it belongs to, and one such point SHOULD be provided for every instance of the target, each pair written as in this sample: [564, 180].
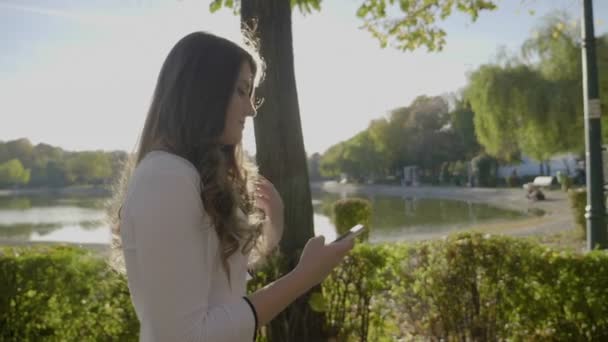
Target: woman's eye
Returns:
[241, 92]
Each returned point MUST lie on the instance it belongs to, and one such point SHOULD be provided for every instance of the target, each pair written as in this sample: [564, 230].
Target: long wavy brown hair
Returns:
[187, 117]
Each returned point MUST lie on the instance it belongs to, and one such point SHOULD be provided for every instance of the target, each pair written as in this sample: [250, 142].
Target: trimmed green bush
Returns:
[352, 295]
[578, 202]
[468, 287]
[351, 211]
[496, 288]
[62, 294]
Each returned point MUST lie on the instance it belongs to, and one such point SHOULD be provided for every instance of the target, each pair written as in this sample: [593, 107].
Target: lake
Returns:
[26, 219]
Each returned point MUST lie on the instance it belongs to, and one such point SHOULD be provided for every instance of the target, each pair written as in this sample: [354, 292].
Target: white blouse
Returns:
[178, 286]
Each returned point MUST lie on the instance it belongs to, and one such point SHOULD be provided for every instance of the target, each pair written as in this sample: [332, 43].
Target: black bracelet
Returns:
[255, 316]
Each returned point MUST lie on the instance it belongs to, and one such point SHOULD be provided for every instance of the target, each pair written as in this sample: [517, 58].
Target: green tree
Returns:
[418, 134]
[509, 103]
[359, 157]
[534, 106]
[461, 123]
[484, 169]
[428, 113]
[4, 156]
[281, 111]
[52, 166]
[58, 174]
[90, 167]
[43, 154]
[432, 149]
[555, 49]
[331, 164]
[409, 25]
[21, 149]
[279, 141]
[377, 130]
[396, 139]
[364, 157]
[367, 152]
[39, 175]
[12, 173]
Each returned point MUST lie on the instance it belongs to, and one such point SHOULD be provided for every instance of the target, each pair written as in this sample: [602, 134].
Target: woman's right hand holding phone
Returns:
[319, 259]
[316, 262]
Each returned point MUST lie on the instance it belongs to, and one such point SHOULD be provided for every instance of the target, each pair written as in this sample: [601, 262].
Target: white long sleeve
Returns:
[178, 287]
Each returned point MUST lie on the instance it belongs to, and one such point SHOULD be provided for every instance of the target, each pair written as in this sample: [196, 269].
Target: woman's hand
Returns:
[267, 199]
[318, 259]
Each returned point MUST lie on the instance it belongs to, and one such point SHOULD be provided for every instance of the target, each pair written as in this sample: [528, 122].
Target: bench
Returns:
[539, 182]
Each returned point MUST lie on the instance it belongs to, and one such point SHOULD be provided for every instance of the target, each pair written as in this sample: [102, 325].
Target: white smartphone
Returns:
[352, 233]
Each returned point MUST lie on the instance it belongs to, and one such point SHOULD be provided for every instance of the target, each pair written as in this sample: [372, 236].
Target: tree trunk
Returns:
[281, 155]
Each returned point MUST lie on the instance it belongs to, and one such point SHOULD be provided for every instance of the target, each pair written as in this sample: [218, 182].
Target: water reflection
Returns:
[76, 234]
[25, 230]
[400, 217]
[81, 219]
[46, 218]
[28, 202]
[16, 203]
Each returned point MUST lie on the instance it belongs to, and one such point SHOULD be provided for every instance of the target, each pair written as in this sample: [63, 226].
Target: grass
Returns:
[500, 227]
[571, 240]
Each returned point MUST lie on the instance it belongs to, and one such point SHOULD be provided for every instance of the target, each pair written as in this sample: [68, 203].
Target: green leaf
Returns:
[362, 11]
[317, 302]
[215, 5]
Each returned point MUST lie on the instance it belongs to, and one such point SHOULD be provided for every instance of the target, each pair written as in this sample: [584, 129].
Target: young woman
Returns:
[195, 213]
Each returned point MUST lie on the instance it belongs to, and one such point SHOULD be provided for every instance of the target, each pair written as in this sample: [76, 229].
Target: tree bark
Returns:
[280, 153]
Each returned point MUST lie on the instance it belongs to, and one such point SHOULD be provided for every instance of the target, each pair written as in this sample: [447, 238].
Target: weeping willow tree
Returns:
[534, 103]
[517, 109]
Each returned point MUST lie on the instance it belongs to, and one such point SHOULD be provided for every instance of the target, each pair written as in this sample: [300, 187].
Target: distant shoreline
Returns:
[557, 215]
[87, 190]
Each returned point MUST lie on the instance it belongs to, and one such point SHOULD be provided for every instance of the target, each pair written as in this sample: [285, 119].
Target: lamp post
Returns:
[595, 210]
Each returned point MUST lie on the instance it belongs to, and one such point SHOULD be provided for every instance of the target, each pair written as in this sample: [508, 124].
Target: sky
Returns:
[79, 74]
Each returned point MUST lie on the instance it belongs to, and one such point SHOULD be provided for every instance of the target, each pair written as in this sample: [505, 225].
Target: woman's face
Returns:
[240, 107]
